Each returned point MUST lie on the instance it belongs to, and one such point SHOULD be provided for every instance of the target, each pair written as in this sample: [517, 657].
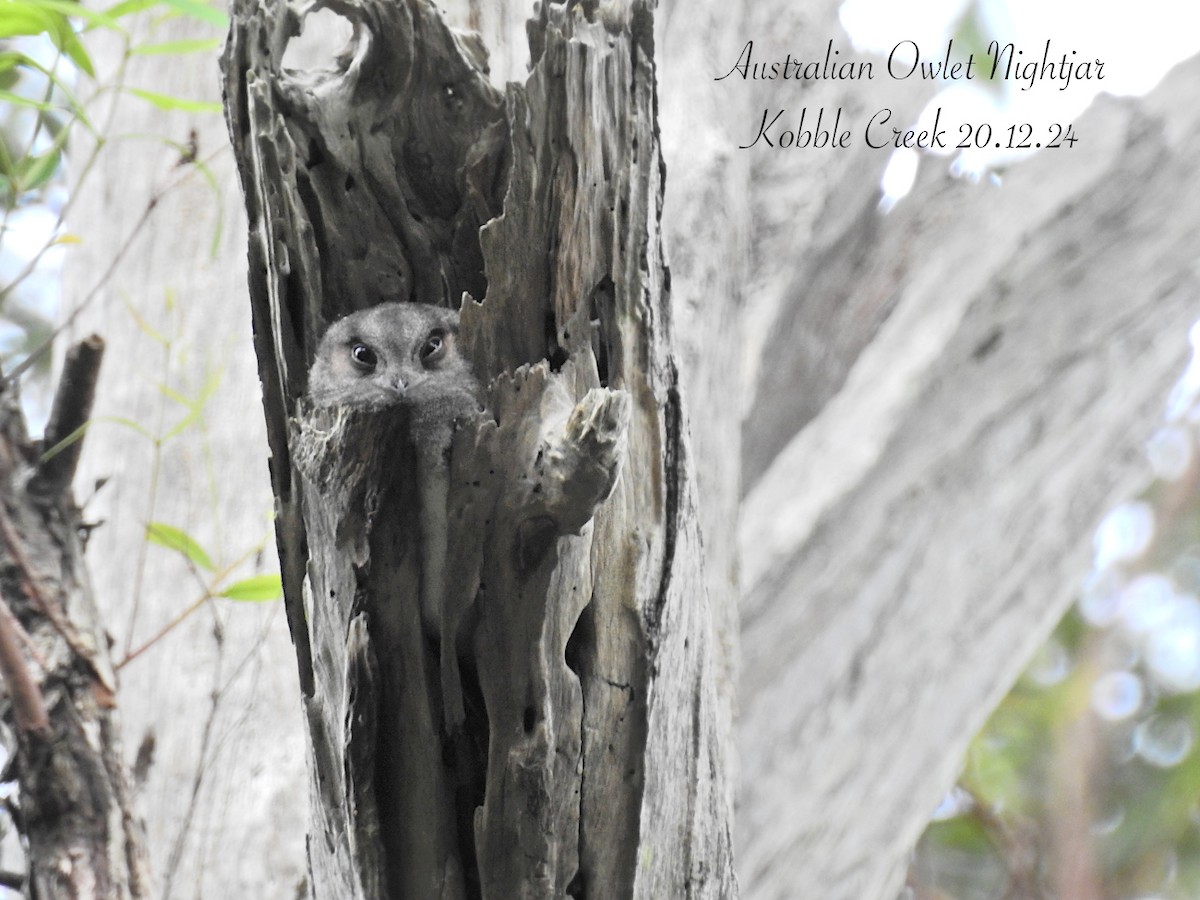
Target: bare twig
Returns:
[29, 707]
[31, 588]
[113, 265]
[164, 631]
[14, 625]
[208, 593]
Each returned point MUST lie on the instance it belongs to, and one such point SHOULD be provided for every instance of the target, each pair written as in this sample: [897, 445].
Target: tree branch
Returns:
[69, 415]
[29, 707]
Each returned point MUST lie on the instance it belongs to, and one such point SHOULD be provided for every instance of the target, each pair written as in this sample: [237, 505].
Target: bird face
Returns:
[392, 354]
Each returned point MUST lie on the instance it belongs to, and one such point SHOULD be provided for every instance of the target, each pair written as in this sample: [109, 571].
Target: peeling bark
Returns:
[557, 732]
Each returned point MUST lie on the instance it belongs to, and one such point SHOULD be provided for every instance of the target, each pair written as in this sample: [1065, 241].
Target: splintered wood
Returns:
[555, 732]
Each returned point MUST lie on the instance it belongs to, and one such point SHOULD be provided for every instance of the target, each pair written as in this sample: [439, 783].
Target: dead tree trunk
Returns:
[76, 818]
[557, 731]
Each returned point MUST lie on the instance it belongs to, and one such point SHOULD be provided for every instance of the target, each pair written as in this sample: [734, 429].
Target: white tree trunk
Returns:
[223, 808]
[911, 546]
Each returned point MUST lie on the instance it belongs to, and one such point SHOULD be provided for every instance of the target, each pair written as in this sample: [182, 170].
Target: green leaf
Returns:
[256, 589]
[171, 394]
[66, 442]
[132, 426]
[55, 127]
[185, 423]
[34, 171]
[18, 100]
[7, 167]
[128, 7]
[198, 10]
[9, 73]
[11, 58]
[180, 541]
[70, 9]
[21, 18]
[70, 45]
[176, 48]
[195, 406]
[49, 17]
[167, 102]
[964, 833]
[145, 327]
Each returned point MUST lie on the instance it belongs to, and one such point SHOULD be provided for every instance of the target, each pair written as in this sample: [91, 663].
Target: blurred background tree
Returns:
[1085, 781]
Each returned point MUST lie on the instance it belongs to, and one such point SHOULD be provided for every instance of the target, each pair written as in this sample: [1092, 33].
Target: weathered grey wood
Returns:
[909, 550]
[76, 811]
[558, 731]
[708, 220]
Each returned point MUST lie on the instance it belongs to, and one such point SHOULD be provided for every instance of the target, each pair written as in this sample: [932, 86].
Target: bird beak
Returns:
[397, 384]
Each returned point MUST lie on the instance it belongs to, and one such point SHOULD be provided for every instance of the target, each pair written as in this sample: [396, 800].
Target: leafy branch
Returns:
[254, 589]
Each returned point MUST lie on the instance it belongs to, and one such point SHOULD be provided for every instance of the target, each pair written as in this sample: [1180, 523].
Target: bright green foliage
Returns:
[43, 59]
[176, 48]
[176, 539]
[165, 102]
[255, 589]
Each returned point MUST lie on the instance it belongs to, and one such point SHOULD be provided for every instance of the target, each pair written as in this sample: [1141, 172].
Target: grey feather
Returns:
[406, 355]
[383, 357]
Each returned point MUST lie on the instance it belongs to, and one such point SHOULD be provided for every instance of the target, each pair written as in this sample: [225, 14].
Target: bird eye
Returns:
[433, 349]
[363, 357]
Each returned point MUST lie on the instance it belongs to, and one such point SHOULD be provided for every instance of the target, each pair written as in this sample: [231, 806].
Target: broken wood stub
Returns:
[554, 732]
